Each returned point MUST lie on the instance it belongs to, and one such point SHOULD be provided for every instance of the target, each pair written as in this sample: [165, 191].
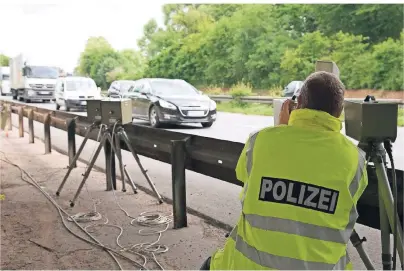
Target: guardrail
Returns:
[269, 100]
[208, 156]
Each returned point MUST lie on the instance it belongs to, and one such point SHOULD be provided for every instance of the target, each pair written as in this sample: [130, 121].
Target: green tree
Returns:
[261, 45]
[297, 64]
[388, 72]
[378, 22]
[4, 60]
[104, 64]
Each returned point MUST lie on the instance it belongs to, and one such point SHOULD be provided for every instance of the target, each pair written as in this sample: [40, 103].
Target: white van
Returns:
[72, 92]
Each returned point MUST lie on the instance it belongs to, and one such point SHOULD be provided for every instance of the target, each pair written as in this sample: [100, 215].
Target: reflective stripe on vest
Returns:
[296, 227]
[282, 263]
[249, 161]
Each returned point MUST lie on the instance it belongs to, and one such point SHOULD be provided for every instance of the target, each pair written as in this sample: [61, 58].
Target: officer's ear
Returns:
[299, 102]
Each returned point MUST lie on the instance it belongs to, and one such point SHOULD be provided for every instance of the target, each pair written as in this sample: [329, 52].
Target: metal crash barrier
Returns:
[208, 156]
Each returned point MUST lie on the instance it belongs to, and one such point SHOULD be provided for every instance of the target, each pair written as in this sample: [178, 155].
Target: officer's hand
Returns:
[285, 112]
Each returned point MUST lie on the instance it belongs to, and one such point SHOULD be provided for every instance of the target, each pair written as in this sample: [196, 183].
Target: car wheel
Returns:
[207, 124]
[27, 101]
[154, 117]
[57, 107]
[67, 108]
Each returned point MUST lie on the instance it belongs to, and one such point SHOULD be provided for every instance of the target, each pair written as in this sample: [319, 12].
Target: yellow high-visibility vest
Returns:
[302, 182]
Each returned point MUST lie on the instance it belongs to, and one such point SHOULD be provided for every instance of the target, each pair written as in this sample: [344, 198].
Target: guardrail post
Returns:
[21, 121]
[31, 125]
[47, 133]
[71, 140]
[10, 118]
[178, 159]
[110, 165]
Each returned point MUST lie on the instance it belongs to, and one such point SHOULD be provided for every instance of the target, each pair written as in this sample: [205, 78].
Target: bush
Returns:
[276, 91]
[239, 91]
[213, 90]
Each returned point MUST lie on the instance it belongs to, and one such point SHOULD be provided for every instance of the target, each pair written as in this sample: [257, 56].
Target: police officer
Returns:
[302, 180]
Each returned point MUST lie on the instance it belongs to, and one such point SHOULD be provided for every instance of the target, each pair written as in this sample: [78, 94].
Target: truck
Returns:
[4, 81]
[31, 82]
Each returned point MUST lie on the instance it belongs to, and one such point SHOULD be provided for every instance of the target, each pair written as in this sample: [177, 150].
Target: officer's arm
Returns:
[241, 168]
[362, 185]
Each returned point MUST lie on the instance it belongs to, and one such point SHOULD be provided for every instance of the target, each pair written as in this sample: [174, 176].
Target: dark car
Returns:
[172, 101]
[118, 87]
[291, 88]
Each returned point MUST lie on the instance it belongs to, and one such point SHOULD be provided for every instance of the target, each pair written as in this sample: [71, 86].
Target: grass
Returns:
[246, 108]
[401, 117]
[267, 110]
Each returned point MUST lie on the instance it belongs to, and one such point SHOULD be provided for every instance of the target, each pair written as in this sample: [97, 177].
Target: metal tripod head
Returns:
[374, 151]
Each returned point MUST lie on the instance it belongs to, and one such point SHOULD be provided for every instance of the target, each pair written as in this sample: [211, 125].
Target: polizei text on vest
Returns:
[300, 194]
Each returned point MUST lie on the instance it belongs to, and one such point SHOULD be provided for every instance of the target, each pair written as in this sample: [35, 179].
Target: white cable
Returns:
[146, 219]
[60, 210]
[92, 215]
[153, 219]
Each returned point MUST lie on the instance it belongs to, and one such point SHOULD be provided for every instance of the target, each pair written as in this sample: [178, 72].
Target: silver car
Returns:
[291, 88]
[118, 87]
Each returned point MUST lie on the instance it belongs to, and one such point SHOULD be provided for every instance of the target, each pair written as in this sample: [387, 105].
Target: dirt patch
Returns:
[34, 238]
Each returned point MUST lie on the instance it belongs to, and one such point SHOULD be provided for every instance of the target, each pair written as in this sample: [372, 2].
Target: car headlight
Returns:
[167, 105]
[31, 92]
[212, 105]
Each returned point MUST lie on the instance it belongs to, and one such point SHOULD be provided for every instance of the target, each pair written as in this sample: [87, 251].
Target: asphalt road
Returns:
[210, 196]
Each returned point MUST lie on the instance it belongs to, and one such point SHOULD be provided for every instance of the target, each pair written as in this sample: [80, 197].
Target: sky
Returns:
[55, 34]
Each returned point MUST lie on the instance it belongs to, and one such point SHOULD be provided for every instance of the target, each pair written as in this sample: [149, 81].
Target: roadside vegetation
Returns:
[225, 45]
[225, 49]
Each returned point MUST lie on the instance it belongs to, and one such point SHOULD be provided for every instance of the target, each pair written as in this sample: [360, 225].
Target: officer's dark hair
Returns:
[322, 91]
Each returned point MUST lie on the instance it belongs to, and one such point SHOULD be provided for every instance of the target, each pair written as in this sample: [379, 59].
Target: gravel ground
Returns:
[33, 236]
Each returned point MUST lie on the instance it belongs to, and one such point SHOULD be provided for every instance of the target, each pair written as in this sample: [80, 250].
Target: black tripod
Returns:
[113, 136]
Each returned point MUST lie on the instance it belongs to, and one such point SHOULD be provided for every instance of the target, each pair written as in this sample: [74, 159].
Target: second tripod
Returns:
[113, 137]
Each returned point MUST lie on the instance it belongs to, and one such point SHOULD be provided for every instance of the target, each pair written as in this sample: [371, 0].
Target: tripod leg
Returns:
[385, 236]
[70, 168]
[127, 142]
[357, 243]
[123, 167]
[116, 147]
[386, 196]
[90, 167]
[130, 180]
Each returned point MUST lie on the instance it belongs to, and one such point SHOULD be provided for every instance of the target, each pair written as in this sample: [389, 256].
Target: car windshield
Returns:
[125, 85]
[80, 85]
[6, 77]
[168, 87]
[42, 72]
